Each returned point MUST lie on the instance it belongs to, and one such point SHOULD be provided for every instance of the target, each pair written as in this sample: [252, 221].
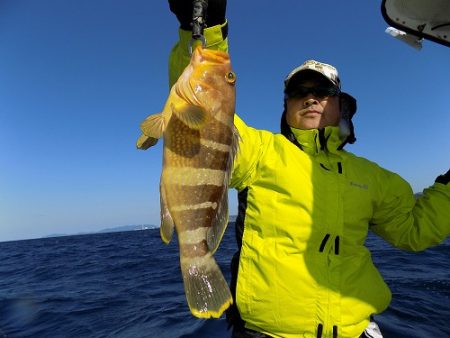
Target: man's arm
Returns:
[215, 34]
[413, 224]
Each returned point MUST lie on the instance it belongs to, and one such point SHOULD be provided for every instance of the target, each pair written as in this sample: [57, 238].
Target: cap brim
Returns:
[301, 74]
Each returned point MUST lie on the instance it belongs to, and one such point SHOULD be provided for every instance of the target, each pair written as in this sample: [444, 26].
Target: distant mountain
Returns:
[128, 228]
[55, 235]
[122, 228]
[232, 218]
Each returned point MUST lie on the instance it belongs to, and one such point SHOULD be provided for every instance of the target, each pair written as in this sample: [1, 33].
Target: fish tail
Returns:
[207, 291]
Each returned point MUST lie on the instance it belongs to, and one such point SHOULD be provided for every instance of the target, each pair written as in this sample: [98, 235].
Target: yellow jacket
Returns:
[303, 263]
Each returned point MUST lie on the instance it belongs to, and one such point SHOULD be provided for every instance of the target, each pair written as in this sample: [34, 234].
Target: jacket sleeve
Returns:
[409, 223]
[179, 56]
[252, 143]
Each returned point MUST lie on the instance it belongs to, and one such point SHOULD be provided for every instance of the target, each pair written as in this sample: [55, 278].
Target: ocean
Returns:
[128, 284]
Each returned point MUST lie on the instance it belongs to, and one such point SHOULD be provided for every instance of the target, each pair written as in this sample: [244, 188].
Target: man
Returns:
[305, 208]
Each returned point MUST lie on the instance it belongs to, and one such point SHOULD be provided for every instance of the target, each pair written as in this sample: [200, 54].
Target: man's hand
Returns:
[183, 10]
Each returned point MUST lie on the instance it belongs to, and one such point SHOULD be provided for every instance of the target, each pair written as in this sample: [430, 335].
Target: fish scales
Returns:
[199, 249]
[196, 193]
[184, 202]
[200, 142]
[207, 148]
[191, 218]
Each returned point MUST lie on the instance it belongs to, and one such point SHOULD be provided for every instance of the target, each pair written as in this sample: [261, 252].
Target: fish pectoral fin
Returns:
[144, 142]
[167, 225]
[219, 225]
[206, 289]
[191, 115]
[154, 126]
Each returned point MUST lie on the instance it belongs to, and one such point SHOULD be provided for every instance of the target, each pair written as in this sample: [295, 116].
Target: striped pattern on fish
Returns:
[200, 143]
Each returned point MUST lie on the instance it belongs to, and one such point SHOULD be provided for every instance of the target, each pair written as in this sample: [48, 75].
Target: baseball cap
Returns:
[328, 71]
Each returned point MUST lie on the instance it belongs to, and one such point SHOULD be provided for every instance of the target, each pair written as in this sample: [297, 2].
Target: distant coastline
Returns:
[122, 228]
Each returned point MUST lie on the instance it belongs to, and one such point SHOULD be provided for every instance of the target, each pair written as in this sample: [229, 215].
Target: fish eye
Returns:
[230, 77]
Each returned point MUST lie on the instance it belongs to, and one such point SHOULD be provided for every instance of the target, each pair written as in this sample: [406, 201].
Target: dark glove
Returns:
[215, 13]
[444, 179]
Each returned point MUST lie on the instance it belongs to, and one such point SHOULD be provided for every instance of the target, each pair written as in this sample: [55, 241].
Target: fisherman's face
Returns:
[312, 110]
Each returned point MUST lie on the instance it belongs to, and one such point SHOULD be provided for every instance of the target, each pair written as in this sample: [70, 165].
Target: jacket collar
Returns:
[315, 141]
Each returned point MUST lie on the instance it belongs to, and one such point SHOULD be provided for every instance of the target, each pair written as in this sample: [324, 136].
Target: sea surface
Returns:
[128, 284]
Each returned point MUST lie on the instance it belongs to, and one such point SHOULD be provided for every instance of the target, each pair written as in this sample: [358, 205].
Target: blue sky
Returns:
[78, 77]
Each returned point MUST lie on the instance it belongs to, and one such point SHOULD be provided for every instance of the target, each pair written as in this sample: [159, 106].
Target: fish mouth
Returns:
[213, 56]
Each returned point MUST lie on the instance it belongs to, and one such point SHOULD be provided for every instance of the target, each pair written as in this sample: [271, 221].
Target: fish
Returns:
[200, 145]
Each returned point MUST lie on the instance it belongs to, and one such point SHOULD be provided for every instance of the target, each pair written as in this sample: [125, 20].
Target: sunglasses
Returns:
[317, 91]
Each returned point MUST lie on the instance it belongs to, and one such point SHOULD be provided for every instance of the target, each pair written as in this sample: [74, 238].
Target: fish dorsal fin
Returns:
[215, 233]
[193, 116]
[167, 225]
[236, 138]
[154, 126]
[144, 142]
